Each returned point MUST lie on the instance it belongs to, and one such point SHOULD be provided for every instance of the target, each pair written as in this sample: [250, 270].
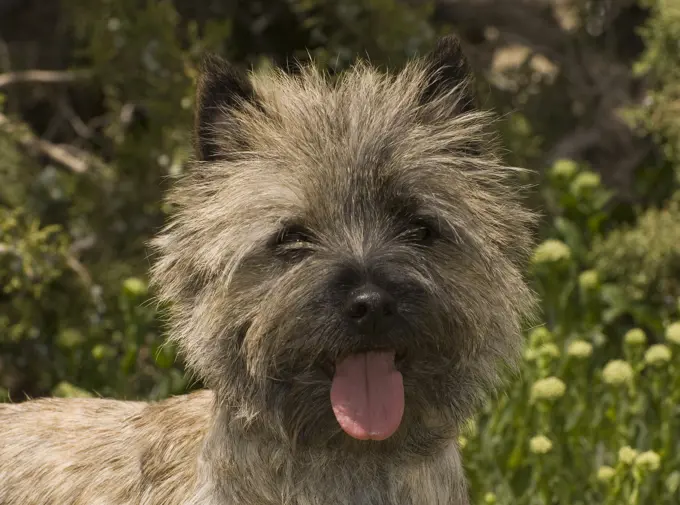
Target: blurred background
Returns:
[96, 102]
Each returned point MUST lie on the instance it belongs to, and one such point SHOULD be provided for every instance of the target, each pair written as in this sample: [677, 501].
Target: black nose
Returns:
[371, 308]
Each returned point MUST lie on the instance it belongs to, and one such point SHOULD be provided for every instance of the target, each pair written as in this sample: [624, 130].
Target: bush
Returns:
[582, 428]
[644, 260]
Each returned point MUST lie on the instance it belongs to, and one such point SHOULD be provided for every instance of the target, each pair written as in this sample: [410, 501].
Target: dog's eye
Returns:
[294, 240]
[293, 237]
[424, 233]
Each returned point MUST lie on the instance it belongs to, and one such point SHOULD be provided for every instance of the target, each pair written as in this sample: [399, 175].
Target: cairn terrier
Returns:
[344, 271]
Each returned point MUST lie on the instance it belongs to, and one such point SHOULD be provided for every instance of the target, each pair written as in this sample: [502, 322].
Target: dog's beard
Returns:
[302, 409]
[298, 396]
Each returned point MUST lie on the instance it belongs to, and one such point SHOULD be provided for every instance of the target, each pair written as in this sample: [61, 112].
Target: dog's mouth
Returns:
[401, 360]
[367, 393]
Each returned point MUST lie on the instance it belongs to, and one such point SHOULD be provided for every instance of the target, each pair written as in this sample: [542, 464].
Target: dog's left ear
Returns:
[448, 68]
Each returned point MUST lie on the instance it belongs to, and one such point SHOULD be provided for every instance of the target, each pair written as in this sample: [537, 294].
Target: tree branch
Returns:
[43, 76]
[75, 159]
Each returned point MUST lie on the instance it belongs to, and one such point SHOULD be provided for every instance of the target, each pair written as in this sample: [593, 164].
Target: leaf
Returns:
[67, 390]
[571, 234]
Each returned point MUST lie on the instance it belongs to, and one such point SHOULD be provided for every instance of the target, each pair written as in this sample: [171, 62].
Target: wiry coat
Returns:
[101, 452]
[302, 189]
[105, 452]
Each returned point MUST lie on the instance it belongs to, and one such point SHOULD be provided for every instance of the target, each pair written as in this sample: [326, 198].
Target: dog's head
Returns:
[344, 261]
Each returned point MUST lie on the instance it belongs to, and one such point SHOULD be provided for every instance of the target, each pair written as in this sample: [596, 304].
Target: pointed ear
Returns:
[221, 87]
[447, 68]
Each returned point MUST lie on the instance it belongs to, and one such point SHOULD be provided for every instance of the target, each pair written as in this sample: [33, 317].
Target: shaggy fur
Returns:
[305, 188]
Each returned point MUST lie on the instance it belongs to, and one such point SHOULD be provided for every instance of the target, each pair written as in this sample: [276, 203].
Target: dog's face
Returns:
[344, 262]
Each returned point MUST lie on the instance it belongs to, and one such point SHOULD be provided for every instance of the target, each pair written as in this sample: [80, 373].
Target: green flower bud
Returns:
[635, 337]
[549, 388]
[648, 460]
[564, 169]
[627, 455]
[617, 372]
[605, 473]
[588, 280]
[490, 499]
[580, 349]
[550, 350]
[673, 333]
[134, 287]
[539, 336]
[551, 251]
[585, 182]
[67, 390]
[540, 445]
[658, 355]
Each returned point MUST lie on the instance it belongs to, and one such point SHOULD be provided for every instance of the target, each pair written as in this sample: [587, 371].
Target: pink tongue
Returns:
[367, 395]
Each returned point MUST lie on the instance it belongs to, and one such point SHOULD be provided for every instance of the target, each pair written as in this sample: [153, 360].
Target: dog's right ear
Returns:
[221, 88]
[449, 68]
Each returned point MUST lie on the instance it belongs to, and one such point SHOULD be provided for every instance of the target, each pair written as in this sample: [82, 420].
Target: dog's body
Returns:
[344, 273]
[105, 452]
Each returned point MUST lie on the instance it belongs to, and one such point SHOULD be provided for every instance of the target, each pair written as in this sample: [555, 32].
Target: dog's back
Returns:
[96, 451]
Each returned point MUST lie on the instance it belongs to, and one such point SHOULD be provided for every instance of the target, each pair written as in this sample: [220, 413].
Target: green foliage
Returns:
[560, 435]
[74, 257]
[660, 64]
[644, 260]
[50, 306]
[397, 30]
[657, 116]
[594, 418]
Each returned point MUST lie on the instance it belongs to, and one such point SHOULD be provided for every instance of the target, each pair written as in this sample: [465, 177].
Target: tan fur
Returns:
[106, 452]
[362, 166]
[97, 451]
